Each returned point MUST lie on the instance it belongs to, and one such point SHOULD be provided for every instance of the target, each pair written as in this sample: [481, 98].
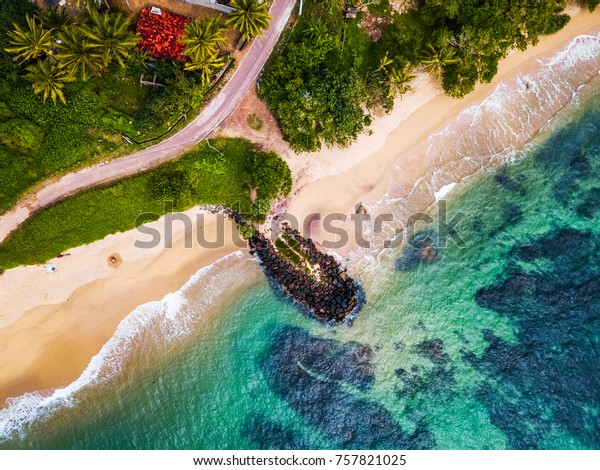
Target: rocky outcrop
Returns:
[327, 293]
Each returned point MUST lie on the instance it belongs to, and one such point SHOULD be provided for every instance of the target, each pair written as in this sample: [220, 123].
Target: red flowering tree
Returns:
[161, 34]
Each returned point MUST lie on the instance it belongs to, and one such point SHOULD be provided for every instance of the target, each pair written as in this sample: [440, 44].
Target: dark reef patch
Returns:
[509, 183]
[426, 383]
[590, 204]
[422, 248]
[313, 375]
[549, 378]
[511, 214]
[268, 435]
[576, 169]
[433, 350]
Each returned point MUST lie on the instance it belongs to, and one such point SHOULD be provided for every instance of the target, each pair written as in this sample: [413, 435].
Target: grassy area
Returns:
[290, 249]
[222, 174]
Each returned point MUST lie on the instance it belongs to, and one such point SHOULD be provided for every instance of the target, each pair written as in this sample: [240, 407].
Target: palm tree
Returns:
[434, 60]
[399, 81]
[206, 64]
[384, 63]
[249, 17]
[202, 37]
[54, 19]
[48, 79]
[75, 55]
[109, 34]
[30, 43]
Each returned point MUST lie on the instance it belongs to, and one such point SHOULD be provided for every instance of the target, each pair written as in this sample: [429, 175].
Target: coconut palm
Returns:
[434, 60]
[54, 19]
[206, 64]
[31, 42]
[399, 81]
[75, 55]
[110, 34]
[202, 37]
[249, 17]
[384, 63]
[48, 79]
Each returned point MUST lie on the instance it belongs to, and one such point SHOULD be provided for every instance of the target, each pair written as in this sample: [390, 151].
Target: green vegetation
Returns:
[591, 4]
[203, 36]
[93, 75]
[290, 249]
[317, 86]
[249, 17]
[220, 173]
[254, 122]
[331, 71]
[202, 39]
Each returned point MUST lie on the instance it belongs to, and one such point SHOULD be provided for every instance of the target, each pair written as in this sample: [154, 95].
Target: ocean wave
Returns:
[157, 322]
[481, 137]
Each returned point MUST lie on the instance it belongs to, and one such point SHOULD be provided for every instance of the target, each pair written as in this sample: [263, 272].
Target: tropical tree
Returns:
[316, 29]
[206, 64]
[31, 42]
[399, 81]
[110, 34]
[137, 63]
[75, 55]
[48, 79]
[249, 17]
[54, 19]
[434, 60]
[384, 63]
[202, 37]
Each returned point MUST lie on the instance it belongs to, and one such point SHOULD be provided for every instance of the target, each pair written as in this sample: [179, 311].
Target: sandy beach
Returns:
[51, 324]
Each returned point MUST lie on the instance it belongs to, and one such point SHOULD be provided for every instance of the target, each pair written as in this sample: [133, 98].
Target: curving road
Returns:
[217, 110]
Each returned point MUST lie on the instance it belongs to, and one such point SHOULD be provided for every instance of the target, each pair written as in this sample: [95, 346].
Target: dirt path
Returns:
[216, 111]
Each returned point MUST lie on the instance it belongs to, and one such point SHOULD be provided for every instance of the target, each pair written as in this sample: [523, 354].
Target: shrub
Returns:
[21, 134]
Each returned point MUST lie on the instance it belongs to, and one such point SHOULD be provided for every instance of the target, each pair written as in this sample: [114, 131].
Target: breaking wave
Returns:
[480, 138]
[152, 325]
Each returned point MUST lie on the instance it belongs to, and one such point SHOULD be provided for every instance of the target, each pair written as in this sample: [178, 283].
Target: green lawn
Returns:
[223, 174]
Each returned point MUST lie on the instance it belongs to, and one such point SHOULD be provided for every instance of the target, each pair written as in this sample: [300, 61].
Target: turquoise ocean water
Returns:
[494, 345]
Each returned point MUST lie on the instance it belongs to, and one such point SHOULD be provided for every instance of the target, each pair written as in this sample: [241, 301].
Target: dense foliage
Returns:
[220, 173]
[330, 74]
[591, 4]
[317, 86]
[482, 32]
[38, 140]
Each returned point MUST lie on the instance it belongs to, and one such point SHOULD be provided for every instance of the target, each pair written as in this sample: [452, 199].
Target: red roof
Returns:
[161, 33]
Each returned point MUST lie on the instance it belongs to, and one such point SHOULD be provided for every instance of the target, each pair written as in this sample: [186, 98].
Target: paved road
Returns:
[218, 109]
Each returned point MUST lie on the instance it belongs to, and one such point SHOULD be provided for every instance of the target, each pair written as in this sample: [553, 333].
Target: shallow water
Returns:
[492, 345]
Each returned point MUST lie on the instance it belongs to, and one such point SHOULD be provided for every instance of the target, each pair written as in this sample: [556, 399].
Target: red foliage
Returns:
[161, 33]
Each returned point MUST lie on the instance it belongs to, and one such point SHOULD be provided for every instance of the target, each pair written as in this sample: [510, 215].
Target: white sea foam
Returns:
[444, 191]
[159, 322]
[480, 138]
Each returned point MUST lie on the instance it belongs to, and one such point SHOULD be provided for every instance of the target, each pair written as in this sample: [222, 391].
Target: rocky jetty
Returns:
[324, 290]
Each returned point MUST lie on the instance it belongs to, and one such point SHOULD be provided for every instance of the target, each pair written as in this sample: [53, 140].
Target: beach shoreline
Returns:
[52, 324]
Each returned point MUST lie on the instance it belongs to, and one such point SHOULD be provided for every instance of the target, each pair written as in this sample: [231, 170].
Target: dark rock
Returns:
[309, 374]
[433, 350]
